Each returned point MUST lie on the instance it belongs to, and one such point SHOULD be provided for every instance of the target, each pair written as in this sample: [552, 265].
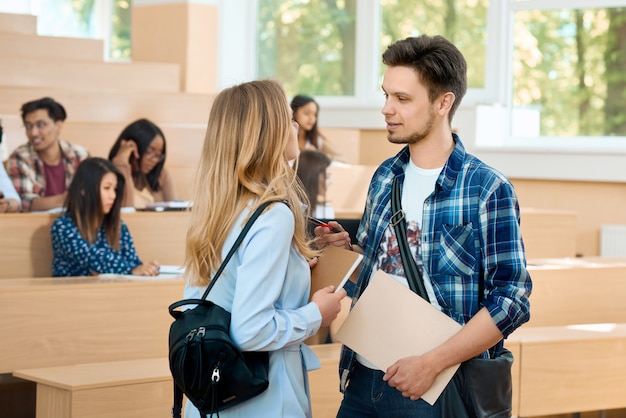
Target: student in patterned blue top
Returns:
[91, 238]
[462, 219]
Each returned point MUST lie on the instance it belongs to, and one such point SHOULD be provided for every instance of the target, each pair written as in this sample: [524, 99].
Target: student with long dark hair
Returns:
[305, 112]
[91, 238]
[312, 171]
[139, 153]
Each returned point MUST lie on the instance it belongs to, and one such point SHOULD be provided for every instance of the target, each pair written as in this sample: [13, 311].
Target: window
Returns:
[314, 46]
[98, 19]
[464, 23]
[308, 45]
[569, 72]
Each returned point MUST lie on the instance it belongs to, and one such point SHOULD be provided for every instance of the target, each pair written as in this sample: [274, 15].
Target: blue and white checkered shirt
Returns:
[471, 240]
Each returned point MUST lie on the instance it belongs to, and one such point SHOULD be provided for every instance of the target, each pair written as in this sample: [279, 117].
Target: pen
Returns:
[317, 222]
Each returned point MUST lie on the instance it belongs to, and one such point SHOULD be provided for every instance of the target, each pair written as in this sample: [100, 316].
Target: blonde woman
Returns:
[249, 142]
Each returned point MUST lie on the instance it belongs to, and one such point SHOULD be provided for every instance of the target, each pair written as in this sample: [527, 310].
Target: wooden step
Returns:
[18, 23]
[72, 74]
[113, 106]
[35, 46]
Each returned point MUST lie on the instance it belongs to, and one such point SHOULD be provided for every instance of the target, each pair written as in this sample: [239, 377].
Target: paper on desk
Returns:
[390, 322]
[139, 278]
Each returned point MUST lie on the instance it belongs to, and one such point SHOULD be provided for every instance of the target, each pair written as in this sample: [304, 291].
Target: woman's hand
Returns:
[127, 154]
[329, 303]
[149, 269]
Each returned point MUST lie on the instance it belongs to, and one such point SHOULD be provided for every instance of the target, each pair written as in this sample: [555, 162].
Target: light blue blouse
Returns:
[266, 288]
[74, 256]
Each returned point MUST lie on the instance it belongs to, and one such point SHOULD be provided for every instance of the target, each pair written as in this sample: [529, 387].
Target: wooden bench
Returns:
[55, 47]
[143, 387]
[50, 322]
[549, 233]
[62, 321]
[94, 103]
[75, 74]
[18, 23]
[27, 248]
[572, 350]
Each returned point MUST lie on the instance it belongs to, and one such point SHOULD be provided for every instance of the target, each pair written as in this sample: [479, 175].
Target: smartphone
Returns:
[317, 222]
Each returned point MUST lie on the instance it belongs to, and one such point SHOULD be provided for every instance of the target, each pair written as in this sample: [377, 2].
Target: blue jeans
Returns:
[368, 395]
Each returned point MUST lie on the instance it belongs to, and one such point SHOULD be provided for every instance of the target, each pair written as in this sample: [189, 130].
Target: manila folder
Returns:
[390, 322]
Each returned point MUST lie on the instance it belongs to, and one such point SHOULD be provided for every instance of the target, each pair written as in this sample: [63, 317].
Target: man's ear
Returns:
[446, 102]
[59, 125]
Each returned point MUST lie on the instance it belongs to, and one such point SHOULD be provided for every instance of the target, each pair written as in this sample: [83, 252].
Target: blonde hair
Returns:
[242, 161]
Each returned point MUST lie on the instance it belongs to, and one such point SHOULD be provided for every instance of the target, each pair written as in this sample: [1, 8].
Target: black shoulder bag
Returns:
[207, 366]
[481, 388]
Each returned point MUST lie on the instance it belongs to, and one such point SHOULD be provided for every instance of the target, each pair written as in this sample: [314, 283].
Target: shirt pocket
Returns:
[457, 250]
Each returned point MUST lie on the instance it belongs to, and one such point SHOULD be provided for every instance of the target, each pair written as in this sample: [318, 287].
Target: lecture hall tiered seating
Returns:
[74, 344]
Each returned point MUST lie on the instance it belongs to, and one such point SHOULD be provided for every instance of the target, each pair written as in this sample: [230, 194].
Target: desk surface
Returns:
[48, 322]
[94, 375]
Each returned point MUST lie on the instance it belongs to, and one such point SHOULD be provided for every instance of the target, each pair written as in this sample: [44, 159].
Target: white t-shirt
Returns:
[418, 184]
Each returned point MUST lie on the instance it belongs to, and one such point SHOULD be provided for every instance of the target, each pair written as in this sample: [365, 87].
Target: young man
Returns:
[462, 220]
[42, 169]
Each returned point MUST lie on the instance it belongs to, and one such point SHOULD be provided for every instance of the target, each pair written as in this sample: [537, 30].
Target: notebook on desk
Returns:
[166, 272]
[167, 206]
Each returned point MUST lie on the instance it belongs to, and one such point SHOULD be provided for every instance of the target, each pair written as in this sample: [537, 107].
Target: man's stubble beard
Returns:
[415, 137]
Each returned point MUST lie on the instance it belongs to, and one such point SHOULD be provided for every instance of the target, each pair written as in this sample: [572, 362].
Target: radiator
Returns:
[613, 240]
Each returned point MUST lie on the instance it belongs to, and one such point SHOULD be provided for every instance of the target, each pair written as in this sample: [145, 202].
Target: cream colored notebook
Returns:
[334, 267]
[390, 322]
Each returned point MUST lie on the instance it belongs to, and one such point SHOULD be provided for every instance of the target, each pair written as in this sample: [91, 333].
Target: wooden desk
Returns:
[49, 322]
[27, 247]
[141, 388]
[549, 233]
[567, 369]
[130, 389]
[577, 291]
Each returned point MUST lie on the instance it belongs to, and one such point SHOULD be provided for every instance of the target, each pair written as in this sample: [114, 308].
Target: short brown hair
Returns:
[439, 64]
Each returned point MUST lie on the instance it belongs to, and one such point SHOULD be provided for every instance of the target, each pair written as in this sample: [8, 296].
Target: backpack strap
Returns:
[178, 402]
[238, 241]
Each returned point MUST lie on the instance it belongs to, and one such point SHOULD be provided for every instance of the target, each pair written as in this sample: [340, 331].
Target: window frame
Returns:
[573, 144]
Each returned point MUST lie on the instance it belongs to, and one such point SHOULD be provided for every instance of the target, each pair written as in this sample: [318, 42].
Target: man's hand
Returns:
[325, 237]
[412, 376]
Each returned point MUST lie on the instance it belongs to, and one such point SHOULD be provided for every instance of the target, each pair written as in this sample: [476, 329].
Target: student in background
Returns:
[312, 170]
[305, 112]
[139, 154]
[91, 238]
[249, 142]
[42, 169]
